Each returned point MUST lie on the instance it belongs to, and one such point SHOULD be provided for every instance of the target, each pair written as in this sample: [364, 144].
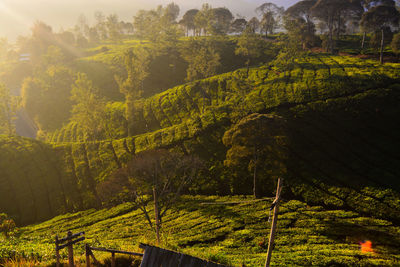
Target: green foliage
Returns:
[7, 225]
[232, 233]
[33, 184]
[396, 43]
[318, 94]
[258, 140]
[202, 58]
[89, 109]
[46, 97]
[8, 111]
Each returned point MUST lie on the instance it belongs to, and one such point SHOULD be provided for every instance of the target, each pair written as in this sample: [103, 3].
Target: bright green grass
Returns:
[230, 234]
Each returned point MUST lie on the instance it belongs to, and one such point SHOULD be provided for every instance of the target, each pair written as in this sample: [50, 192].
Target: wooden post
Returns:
[87, 253]
[156, 216]
[363, 41]
[112, 259]
[382, 47]
[57, 253]
[274, 223]
[70, 251]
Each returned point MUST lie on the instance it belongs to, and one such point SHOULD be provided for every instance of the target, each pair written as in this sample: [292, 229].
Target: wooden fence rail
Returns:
[89, 253]
[69, 241]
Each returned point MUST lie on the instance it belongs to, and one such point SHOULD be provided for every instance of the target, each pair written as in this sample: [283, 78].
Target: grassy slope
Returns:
[349, 102]
[232, 234]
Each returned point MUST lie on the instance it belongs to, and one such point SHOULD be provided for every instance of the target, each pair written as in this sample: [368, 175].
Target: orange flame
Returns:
[366, 246]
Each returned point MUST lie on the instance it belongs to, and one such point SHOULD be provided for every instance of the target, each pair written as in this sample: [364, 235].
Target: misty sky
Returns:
[17, 16]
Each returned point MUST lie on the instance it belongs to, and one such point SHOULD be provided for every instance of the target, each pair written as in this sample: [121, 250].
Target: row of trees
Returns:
[335, 16]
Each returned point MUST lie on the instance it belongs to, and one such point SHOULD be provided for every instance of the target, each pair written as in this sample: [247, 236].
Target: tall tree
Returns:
[136, 65]
[170, 13]
[188, 21]
[238, 26]
[302, 10]
[4, 48]
[202, 57]
[254, 24]
[301, 34]
[203, 18]
[332, 12]
[271, 16]
[113, 27]
[101, 26]
[251, 46]
[8, 111]
[88, 109]
[46, 97]
[222, 19]
[260, 140]
[377, 18]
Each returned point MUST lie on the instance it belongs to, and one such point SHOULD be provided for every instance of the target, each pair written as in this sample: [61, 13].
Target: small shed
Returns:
[158, 257]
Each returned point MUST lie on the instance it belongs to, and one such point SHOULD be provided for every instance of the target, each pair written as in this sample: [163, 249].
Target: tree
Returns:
[188, 21]
[202, 57]
[136, 70]
[260, 140]
[82, 26]
[46, 97]
[101, 25]
[147, 23]
[7, 225]
[222, 19]
[254, 24]
[170, 13]
[89, 109]
[302, 10]
[113, 27]
[271, 16]
[331, 12]
[238, 26]
[42, 38]
[4, 48]
[301, 34]
[8, 111]
[396, 43]
[251, 46]
[377, 18]
[157, 175]
[203, 18]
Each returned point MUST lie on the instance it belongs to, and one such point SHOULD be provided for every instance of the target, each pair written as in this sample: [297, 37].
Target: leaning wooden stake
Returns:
[274, 222]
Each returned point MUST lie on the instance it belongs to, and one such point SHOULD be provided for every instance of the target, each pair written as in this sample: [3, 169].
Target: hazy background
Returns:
[17, 16]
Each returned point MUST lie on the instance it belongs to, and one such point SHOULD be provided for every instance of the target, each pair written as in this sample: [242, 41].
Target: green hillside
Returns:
[342, 119]
[231, 234]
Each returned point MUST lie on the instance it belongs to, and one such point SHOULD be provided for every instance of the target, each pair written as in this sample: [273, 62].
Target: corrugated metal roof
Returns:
[159, 257]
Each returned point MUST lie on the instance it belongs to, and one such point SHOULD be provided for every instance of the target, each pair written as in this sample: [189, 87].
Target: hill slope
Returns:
[343, 121]
[231, 234]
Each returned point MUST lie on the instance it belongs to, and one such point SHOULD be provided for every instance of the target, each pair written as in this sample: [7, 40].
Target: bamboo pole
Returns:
[274, 223]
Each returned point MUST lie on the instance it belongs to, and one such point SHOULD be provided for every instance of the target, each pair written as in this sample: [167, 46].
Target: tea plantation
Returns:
[231, 233]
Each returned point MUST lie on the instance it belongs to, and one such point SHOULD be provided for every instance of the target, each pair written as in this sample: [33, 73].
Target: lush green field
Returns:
[342, 116]
[230, 234]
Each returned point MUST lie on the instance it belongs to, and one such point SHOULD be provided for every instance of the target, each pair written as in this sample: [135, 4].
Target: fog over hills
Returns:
[21, 14]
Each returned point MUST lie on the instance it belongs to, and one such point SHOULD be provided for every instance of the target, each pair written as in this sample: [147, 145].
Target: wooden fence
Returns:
[71, 239]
